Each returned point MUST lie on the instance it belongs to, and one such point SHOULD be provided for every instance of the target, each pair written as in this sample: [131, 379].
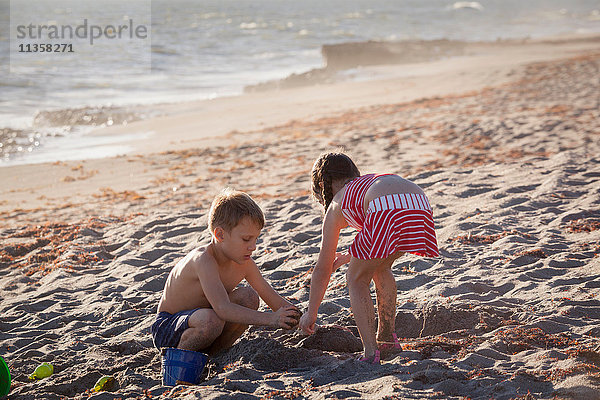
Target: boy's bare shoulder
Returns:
[200, 257]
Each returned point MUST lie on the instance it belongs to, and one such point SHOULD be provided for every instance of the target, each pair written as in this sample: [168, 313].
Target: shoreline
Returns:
[484, 65]
[174, 126]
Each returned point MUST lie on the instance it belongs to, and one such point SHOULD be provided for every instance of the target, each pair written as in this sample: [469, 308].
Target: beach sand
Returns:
[508, 153]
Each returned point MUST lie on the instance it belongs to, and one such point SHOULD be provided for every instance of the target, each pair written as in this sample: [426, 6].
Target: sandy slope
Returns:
[510, 308]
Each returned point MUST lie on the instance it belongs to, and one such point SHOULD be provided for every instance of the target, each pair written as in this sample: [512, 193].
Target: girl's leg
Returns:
[385, 285]
[359, 276]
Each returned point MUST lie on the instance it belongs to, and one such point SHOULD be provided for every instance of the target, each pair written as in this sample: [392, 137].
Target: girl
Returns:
[393, 217]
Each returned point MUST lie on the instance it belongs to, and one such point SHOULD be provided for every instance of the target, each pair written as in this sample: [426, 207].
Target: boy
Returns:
[201, 308]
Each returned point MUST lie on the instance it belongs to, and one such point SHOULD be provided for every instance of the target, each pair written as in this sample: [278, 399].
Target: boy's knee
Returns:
[198, 339]
[215, 322]
[206, 320]
[247, 297]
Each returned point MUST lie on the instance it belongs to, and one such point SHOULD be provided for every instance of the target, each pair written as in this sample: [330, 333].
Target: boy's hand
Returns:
[340, 259]
[286, 317]
[307, 324]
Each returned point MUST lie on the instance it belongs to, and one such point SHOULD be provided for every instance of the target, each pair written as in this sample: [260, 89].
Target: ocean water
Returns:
[211, 48]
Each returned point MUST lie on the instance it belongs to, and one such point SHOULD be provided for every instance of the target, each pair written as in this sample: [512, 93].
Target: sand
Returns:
[510, 309]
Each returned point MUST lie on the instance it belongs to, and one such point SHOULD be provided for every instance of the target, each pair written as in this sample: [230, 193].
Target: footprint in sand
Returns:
[272, 264]
[154, 286]
[279, 275]
[476, 191]
[544, 274]
[154, 255]
[136, 262]
[466, 226]
[301, 237]
[139, 234]
[158, 222]
[118, 329]
[183, 231]
[521, 189]
[289, 226]
[514, 201]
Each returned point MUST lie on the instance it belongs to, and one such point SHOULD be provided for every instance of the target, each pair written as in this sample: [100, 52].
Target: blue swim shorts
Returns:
[168, 328]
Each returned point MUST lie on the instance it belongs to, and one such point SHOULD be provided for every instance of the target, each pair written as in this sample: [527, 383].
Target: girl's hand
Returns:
[307, 324]
[340, 259]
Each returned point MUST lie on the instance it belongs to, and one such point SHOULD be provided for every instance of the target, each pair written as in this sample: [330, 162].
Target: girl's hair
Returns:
[328, 168]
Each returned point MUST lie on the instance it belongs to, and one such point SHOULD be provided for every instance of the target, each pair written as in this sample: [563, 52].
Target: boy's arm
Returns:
[264, 290]
[208, 273]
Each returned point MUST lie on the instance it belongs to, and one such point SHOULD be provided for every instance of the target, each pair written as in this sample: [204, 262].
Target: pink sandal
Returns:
[374, 359]
[395, 345]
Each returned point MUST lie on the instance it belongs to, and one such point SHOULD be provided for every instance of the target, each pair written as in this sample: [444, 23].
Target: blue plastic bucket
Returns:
[182, 367]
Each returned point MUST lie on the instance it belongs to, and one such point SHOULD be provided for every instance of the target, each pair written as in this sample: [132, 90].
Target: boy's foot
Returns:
[374, 359]
[395, 345]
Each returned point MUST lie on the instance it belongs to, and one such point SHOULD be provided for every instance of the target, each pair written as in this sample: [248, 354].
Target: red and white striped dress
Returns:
[395, 222]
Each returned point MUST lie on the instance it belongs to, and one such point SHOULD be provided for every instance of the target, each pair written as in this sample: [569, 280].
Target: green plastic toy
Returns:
[42, 371]
[4, 378]
[106, 383]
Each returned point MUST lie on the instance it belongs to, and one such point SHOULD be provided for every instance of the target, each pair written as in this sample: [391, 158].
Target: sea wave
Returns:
[15, 141]
[349, 55]
[474, 5]
[85, 116]
[354, 54]
[63, 122]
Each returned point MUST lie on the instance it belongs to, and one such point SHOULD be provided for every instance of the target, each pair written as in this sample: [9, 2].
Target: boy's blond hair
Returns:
[230, 206]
